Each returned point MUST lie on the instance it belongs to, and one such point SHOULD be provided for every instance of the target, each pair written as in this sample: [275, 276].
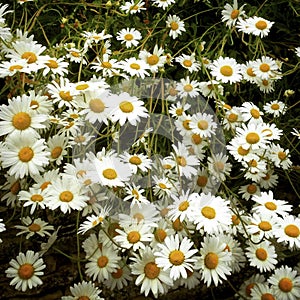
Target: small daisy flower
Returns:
[275, 108]
[188, 88]
[218, 166]
[251, 113]
[188, 62]
[183, 124]
[149, 275]
[265, 67]
[176, 256]
[288, 231]
[262, 256]
[57, 145]
[280, 156]
[286, 283]
[155, 60]
[25, 270]
[137, 162]
[102, 263]
[211, 89]
[214, 261]
[162, 230]
[262, 291]
[133, 236]
[270, 180]
[163, 3]
[203, 124]
[255, 25]
[233, 118]
[119, 279]
[265, 85]
[108, 66]
[248, 72]
[34, 226]
[178, 109]
[10, 68]
[94, 37]
[255, 168]
[226, 70]
[56, 66]
[133, 7]
[247, 286]
[163, 187]
[175, 25]
[129, 37]
[232, 13]
[135, 67]
[249, 190]
[84, 290]
[77, 55]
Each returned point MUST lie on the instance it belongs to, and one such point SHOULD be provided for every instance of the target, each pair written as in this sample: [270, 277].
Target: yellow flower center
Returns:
[52, 64]
[153, 60]
[186, 124]
[250, 72]
[26, 271]
[56, 152]
[135, 194]
[30, 56]
[109, 174]
[135, 160]
[102, 261]
[183, 205]
[264, 67]
[241, 151]
[21, 120]
[117, 274]
[34, 227]
[219, 166]
[96, 105]
[202, 181]
[139, 217]
[179, 111]
[133, 237]
[176, 257]
[251, 189]
[15, 67]
[44, 185]
[267, 296]
[66, 196]
[281, 155]
[174, 25]
[261, 25]
[234, 14]
[181, 161]
[232, 117]
[66, 96]
[197, 139]
[261, 254]
[160, 235]
[270, 205]
[275, 106]
[188, 88]
[254, 113]
[208, 212]
[265, 226]
[75, 54]
[135, 66]
[162, 186]
[151, 270]
[226, 71]
[36, 198]
[249, 288]
[211, 260]
[128, 37]
[285, 284]
[235, 220]
[252, 138]
[177, 225]
[173, 91]
[292, 231]
[126, 107]
[252, 163]
[265, 82]
[79, 139]
[187, 63]
[84, 298]
[15, 188]
[106, 64]
[26, 154]
[81, 87]
[202, 124]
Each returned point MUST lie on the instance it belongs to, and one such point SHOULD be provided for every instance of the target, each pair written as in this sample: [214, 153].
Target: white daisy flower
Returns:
[162, 230]
[214, 262]
[176, 256]
[218, 166]
[262, 256]
[269, 181]
[275, 108]
[135, 67]
[163, 3]
[135, 195]
[175, 25]
[149, 275]
[251, 113]
[211, 89]
[25, 270]
[280, 156]
[83, 290]
[265, 85]
[233, 118]
[77, 55]
[188, 62]
[183, 124]
[232, 13]
[136, 162]
[56, 66]
[203, 124]
[248, 72]
[133, 7]
[255, 168]
[188, 88]
[57, 145]
[108, 66]
[247, 286]
[226, 70]
[255, 25]
[10, 68]
[178, 109]
[163, 187]
[262, 291]
[129, 37]
[286, 283]
[249, 190]
[119, 279]
[265, 67]
[155, 60]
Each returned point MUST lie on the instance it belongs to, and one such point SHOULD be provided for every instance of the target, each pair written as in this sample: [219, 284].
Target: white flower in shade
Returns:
[137, 162]
[181, 207]
[203, 124]
[102, 263]
[247, 286]
[188, 88]
[155, 60]
[176, 256]
[262, 291]
[255, 25]
[185, 162]
[266, 85]
[289, 231]
[297, 51]
[280, 156]
[232, 118]
[211, 89]
[34, 226]
[249, 190]
[65, 193]
[265, 67]
[163, 3]
[270, 180]
[266, 204]
[133, 236]
[255, 168]
[163, 186]
[94, 37]
[57, 145]
[218, 166]
[110, 171]
[25, 270]
[286, 283]
[2, 228]
[251, 113]
[275, 108]
[18, 116]
[149, 275]
[226, 69]
[135, 195]
[129, 37]
[127, 108]
[135, 67]
[210, 213]
[214, 262]
[262, 256]
[202, 181]
[84, 290]
[175, 25]
[24, 154]
[162, 230]
[188, 62]
[77, 55]
[133, 7]
[119, 279]
[232, 13]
